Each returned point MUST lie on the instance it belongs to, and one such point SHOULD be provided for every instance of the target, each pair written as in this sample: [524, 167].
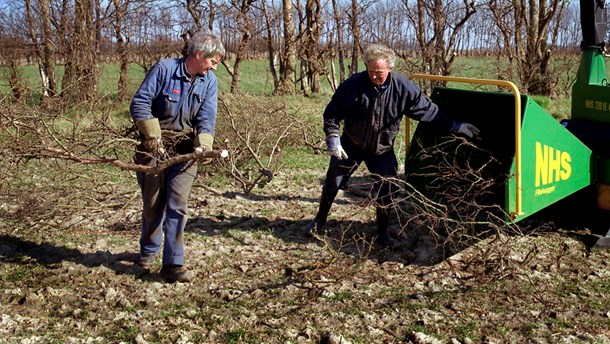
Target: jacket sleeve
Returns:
[206, 116]
[336, 109]
[421, 108]
[141, 104]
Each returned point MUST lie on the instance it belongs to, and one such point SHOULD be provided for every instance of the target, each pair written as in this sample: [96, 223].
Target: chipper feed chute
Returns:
[536, 161]
[533, 161]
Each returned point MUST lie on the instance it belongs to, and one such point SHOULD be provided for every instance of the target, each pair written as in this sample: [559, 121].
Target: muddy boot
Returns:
[146, 260]
[317, 225]
[175, 273]
[383, 234]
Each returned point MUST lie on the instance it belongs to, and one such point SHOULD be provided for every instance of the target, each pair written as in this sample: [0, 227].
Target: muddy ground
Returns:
[67, 271]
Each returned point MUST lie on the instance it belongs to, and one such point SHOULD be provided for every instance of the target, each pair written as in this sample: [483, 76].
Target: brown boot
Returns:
[175, 273]
[146, 260]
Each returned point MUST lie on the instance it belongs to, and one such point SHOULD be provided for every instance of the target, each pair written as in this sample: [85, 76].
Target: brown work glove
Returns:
[152, 142]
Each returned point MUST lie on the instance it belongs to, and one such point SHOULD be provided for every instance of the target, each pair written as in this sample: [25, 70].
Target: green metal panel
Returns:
[591, 103]
[590, 93]
[592, 68]
[554, 163]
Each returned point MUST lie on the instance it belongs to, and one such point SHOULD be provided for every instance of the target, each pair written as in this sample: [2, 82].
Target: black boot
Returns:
[383, 234]
[317, 225]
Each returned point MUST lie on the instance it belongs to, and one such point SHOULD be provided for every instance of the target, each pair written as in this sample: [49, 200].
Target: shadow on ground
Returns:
[20, 251]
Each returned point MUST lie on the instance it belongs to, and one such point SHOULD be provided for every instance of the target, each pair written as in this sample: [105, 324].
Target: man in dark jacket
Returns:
[175, 111]
[371, 105]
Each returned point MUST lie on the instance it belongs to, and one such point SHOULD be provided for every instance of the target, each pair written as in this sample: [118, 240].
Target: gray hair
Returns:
[208, 43]
[380, 51]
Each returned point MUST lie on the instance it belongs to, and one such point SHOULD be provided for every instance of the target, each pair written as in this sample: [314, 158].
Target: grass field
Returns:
[69, 234]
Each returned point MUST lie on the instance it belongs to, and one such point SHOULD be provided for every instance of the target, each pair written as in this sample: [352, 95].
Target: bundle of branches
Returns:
[455, 195]
[33, 134]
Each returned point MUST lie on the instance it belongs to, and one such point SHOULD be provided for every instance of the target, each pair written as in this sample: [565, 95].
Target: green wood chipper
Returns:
[543, 162]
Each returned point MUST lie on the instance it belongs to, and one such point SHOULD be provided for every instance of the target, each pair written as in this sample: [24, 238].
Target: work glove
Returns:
[151, 130]
[465, 129]
[203, 142]
[333, 147]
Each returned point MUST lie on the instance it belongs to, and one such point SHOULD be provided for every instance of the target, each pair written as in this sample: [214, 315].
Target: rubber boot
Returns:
[383, 234]
[316, 226]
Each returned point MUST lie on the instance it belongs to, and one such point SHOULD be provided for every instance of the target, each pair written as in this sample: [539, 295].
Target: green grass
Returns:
[255, 77]
[341, 296]
[303, 157]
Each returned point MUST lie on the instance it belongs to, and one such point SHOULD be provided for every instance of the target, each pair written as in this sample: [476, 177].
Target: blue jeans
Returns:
[165, 210]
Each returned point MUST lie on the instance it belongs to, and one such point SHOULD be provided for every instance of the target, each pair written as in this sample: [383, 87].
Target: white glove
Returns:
[333, 147]
[468, 130]
[338, 152]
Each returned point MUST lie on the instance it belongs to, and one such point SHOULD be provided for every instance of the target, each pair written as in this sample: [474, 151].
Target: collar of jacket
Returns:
[381, 88]
[181, 71]
[386, 84]
[183, 74]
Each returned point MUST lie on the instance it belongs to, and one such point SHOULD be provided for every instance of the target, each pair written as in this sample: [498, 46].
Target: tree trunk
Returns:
[271, 55]
[48, 60]
[289, 58]
[304, 49]
[312, 51]
[44, 50]
[244, 25]
[122, 42]
[235, 76]
[15, 81]
[340, 51]
[355, 29]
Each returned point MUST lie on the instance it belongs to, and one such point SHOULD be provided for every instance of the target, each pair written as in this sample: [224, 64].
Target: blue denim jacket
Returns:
[169, 94]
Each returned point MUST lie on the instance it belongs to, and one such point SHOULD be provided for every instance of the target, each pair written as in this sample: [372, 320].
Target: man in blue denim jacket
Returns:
[371, 105]
[175, 112]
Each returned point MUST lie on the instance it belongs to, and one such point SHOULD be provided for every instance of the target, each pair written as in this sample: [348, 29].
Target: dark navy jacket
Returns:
[169, 94]
[372, 117]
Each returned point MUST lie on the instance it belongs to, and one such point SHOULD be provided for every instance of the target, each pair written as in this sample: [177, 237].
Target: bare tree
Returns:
[14, 49]
[312, 63]
[270, 39]
[354, 25]
[122, 43]
[241, 9]
[340, 49]
[39, 29]
[314, 58]
[289, 54]
[302, 32]
[83, 28]
[438, 24]
[528, 39]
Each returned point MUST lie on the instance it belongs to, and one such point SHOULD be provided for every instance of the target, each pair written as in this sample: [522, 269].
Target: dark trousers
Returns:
[383, 167]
